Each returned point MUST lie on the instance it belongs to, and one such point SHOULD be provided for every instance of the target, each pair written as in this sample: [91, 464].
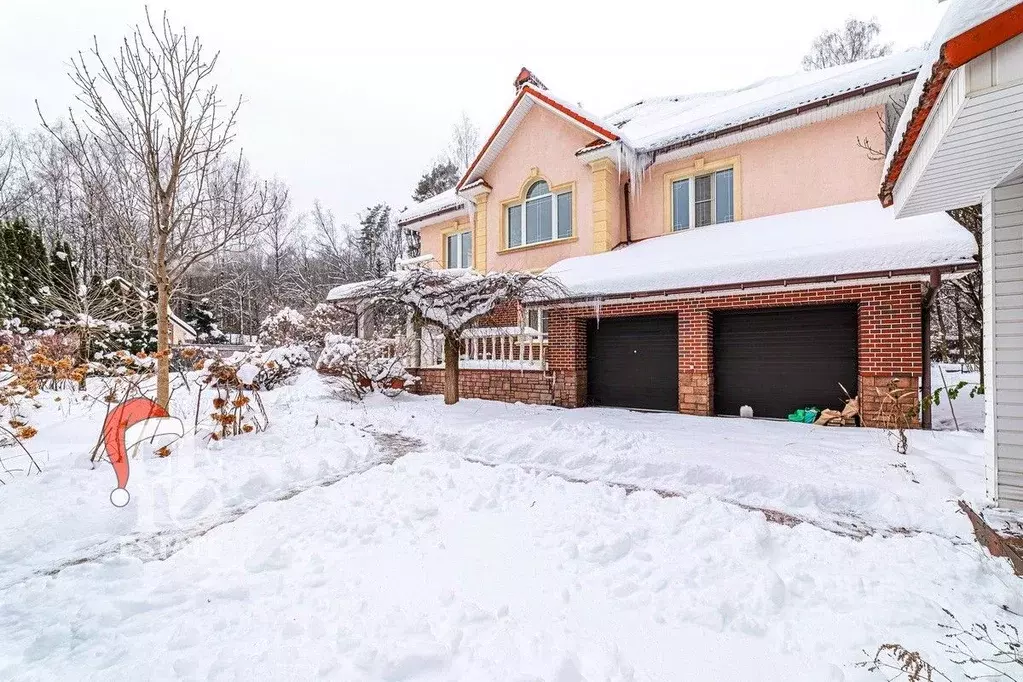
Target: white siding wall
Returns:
[1003, 342]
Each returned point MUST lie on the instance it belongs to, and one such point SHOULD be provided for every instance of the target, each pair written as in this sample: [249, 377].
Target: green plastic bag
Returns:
[807, 415]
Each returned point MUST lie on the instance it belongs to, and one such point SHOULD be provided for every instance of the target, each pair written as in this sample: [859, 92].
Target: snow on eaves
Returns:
[845, 239]
[960, 17]
[444, 202]
[660, 122]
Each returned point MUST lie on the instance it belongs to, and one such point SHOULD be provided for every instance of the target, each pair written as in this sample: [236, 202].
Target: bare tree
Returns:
[12, 194]
[156, 138]
[851, 43]
[465, 142]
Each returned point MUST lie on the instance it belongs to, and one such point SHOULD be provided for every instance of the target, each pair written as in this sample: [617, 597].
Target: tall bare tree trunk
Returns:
[450, 368]
[163, 341]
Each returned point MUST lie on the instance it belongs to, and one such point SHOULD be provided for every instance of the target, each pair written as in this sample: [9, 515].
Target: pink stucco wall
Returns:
[547, 142]
[818, 165]
[431, 241]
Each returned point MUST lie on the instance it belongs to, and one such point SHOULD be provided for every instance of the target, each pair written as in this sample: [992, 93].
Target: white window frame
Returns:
[553, 194]
[540, 316]
[458, 242]
[691, 179]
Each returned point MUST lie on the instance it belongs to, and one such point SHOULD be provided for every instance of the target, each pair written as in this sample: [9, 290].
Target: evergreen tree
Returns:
[378, 242]
[442, 176]
[63, 268]
[204, 323]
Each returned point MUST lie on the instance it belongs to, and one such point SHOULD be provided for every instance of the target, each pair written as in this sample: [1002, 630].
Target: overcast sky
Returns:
[349, 102]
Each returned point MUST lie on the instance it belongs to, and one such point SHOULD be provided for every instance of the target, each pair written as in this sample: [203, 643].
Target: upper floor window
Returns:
[544, 216]
[703, 200]
[458, 250]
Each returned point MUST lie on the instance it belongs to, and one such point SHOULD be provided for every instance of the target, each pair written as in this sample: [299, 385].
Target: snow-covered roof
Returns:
[961, 17]
[443, 203]
[652, 124]
[847, 239]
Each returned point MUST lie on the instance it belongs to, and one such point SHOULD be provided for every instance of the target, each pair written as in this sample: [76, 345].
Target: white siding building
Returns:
[960, 143]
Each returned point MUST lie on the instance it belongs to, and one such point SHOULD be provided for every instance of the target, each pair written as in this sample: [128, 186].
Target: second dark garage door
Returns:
[780, 360]
[633, 362]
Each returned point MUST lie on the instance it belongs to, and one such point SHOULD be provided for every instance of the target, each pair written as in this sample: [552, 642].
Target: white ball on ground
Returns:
[746, 412]
[119, 497]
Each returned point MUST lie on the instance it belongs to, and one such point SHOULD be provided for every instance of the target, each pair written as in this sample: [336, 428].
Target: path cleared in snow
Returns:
[850, 480]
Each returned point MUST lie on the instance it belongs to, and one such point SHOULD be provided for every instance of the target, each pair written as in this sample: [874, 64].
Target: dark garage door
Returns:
[780, 360]
[633, 362]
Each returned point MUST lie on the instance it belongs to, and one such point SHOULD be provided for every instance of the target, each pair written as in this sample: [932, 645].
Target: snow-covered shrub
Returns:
[326, 318]
[277, 365]
[365, 365]
[286, 327]
[237, 407]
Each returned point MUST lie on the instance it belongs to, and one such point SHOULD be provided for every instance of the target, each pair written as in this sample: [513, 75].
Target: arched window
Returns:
[538, 188]
[544, 216]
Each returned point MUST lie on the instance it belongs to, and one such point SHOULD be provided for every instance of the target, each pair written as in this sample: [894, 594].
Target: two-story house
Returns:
[717, 250]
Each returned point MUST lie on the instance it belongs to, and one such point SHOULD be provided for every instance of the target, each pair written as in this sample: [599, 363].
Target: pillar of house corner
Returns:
[479, 247]
[603, 173]
[364, 321]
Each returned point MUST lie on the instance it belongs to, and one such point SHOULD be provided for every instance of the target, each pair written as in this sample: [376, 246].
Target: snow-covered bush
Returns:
[326, 318]
[365, 365]
[277, 365]
[286, 327]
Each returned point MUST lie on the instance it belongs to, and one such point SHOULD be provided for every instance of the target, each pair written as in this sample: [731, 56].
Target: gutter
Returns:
[628, 213]
[802, 109]
[753, 286]
[428, 216]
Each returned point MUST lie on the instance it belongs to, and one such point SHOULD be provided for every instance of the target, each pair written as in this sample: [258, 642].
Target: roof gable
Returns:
[527, 98]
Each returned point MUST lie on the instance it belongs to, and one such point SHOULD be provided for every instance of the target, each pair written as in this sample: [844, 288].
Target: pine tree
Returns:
[378, 241]
[442, 176]
[204, 323]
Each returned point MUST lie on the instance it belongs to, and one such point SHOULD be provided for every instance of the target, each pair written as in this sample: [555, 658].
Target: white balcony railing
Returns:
[489, 348]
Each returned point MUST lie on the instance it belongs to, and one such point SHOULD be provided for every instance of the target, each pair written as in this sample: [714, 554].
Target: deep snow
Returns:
[436, 568]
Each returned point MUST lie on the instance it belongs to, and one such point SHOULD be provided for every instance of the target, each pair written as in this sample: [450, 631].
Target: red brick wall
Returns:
[507, 385]
[504, 315]
[889, 339]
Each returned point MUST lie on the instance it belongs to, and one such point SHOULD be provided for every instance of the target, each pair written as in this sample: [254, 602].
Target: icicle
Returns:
[635, 163]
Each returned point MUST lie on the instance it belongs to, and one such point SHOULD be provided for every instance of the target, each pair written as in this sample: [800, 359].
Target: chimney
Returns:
[526, 77]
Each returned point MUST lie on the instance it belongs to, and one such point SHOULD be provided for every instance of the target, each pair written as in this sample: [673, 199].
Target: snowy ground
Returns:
[294, 555]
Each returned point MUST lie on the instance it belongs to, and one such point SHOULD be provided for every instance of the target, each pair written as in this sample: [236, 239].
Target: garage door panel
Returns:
[779, 360]
[633, 362]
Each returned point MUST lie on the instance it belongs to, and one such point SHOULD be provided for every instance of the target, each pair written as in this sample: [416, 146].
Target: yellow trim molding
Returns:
[603, 171]
[454, 228]
[479, 246]
[702, 167]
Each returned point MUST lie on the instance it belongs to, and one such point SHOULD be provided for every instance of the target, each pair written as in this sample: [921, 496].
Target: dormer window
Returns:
[544, 215]
[703, 200]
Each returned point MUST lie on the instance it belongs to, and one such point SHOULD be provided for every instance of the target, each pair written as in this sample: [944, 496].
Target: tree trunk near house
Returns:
[163, 345]
[450, 368]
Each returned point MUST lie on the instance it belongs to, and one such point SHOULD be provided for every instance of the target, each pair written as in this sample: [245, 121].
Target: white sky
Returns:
[349, 102]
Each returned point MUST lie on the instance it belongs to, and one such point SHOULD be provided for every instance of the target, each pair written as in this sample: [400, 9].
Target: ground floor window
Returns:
[536, 318]
[458, 249]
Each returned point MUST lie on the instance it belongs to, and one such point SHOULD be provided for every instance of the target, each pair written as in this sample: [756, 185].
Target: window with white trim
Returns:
[703, 200]
[458, 250]
[544, 216]
[536, 318]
